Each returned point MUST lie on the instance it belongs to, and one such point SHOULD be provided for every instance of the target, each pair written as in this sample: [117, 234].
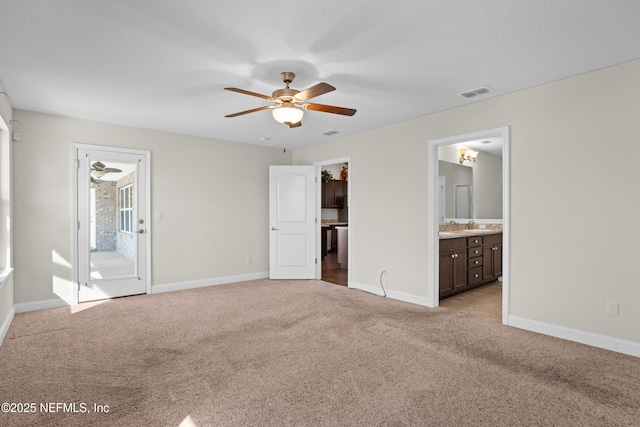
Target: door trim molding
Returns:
[74, 220]
[433, 213]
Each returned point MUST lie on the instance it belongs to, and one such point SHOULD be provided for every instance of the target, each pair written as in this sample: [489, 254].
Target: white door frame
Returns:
[75, 219]
[434, 213]
[318, 166]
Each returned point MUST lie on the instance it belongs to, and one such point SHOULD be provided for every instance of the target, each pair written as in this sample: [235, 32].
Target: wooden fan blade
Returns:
[313, 91]
[250, 111]
[246, 92]
[330, 109]
[295, 125]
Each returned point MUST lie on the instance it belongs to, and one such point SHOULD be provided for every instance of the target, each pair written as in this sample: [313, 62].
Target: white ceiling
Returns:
[163, 64]
[490, 145]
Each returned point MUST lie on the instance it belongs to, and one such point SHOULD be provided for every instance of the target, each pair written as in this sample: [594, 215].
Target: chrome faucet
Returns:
[468, 226]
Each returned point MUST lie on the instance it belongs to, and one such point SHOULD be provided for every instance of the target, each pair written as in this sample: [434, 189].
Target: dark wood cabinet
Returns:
[474, 265]
[334, 194]
[453, 266]
[492, 257]
[468, 262]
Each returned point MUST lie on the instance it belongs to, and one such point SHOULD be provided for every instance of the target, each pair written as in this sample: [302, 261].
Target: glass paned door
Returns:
[111, 224]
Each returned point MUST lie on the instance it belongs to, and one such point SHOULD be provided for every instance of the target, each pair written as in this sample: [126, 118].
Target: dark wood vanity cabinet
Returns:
[491, 257]
[453, 266]
[468, 262]
[474, 266]
[334, 194]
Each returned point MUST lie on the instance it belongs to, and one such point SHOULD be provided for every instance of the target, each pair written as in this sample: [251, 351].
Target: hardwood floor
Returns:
[331, 271]
[483, 301]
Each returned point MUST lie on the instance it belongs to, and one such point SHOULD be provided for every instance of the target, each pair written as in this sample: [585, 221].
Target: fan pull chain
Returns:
[284, 138]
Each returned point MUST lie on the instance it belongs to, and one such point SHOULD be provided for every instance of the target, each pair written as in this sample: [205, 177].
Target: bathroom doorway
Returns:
[489, 210]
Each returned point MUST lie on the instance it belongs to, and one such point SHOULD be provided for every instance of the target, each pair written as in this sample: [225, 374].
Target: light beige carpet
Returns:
[274, 353]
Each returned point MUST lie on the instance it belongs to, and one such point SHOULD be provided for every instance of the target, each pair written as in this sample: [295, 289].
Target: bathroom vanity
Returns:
[468, 259]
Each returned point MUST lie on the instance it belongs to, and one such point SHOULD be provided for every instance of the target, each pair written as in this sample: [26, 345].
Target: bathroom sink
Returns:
[445, 233]
[478, 230]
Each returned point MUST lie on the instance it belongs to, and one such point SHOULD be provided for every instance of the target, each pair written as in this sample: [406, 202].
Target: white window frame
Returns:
[125, 212]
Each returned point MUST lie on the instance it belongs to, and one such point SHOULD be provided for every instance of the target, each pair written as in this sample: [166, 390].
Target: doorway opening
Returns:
[470, 251]
[111, 206]
[334, 221]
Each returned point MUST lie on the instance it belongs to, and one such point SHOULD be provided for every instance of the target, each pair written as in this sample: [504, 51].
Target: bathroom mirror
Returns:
[471, 190]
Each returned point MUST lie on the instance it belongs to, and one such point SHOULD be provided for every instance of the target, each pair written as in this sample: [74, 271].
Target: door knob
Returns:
[140, 231]
[274, 229]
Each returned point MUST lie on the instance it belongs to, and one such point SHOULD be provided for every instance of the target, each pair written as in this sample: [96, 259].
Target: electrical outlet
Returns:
[613, 309]
[248, 260]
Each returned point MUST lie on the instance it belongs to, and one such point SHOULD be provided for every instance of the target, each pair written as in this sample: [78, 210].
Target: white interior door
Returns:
[292, 222]
[112, 224]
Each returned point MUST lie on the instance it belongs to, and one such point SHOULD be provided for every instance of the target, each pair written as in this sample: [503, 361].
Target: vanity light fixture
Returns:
[466, 154]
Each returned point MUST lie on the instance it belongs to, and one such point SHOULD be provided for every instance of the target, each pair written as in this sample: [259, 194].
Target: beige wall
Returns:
[573, 209]
[213, 196]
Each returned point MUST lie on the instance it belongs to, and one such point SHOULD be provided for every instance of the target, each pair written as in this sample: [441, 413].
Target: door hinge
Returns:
[78, 225]
[316, 220]
[316, 260]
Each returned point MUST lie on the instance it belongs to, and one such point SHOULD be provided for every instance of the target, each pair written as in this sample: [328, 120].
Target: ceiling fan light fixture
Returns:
[287, 115]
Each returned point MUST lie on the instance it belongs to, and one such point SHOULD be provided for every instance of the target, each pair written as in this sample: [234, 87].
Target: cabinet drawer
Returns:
[474, 241]
[471, 252]
[474, 276]
[456, 243]
[492, 239]
[474, 262]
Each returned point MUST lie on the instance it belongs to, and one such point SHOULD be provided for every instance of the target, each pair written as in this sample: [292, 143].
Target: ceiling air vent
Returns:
[330, 132]
[476, 92]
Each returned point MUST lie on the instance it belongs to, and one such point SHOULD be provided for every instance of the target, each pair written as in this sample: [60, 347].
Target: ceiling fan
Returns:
[98, 170]
[289, 104]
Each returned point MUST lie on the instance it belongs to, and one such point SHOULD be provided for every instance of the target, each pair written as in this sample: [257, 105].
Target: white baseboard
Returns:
[401, 296]
[59, 302]
[6, 323]
[181, 286]
[596, 340]
[24, 307]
